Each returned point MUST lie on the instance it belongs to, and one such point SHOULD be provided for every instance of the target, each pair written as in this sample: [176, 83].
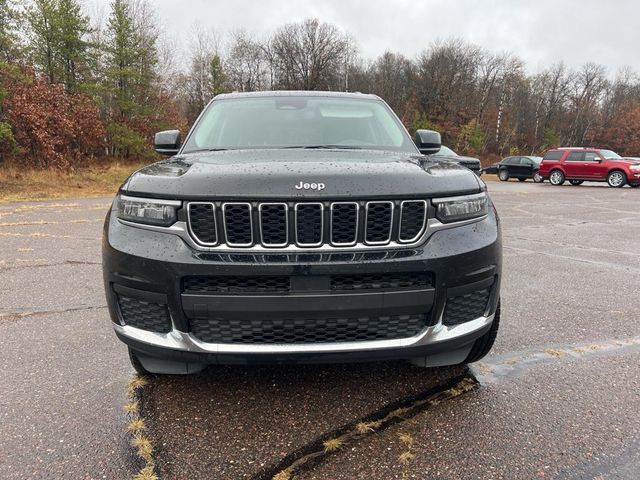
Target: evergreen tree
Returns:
[58, 45]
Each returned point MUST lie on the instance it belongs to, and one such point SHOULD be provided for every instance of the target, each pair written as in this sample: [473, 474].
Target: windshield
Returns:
[536, 160]
[445, 152]
[609, 155]
[298, 122]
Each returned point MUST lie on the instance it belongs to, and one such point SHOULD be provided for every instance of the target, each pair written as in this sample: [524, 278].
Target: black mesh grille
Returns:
[146, 315]
[379, 218]
[203, 223]
[466, 307]
[237, 219]
[273, 222]
[233, 284]
[344, 223]
[309, 224]
[396, 281]
[312, 330]
[412, 219]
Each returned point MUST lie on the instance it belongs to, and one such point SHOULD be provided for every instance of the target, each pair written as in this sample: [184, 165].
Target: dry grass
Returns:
[332, 445]
[95, 178]
[146, 473]
[136, 425]
[131, 408]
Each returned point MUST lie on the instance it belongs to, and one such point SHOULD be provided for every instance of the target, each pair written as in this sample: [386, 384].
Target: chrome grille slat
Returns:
[309, 220]
[339, 225]
[413, 220]
[238, 223]
[378, 222]
[274, 224]
[205, 233]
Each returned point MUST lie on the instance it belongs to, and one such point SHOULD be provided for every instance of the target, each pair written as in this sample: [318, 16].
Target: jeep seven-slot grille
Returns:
[307, 330]
[307, 224]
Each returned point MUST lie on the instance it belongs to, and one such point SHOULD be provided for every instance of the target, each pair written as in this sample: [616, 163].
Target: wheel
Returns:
[576, 182]
[482, 345]
[522, 179]
[556, 177]
[616, 179]
[135, 363]
[537, 178]
[503, 175]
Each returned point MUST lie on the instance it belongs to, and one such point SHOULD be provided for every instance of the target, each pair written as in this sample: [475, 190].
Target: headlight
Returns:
[151, 211]
[455, 209]
[635, 168]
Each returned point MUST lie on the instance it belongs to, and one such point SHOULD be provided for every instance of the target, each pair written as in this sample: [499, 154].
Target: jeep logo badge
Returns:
[310, 186]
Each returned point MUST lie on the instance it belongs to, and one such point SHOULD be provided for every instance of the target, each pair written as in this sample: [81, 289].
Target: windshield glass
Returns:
[609, 155]
[298, 122]
[445, 152]
[536, 160]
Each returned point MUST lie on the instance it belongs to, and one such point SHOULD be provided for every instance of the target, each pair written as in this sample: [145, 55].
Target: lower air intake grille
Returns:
[311, 330]
[466, 307]
[233, 284]
[145, 315]
[395, 281]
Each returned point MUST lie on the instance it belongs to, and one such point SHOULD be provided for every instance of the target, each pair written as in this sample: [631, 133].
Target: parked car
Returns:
[491, 169]
[579, 164]
[445, 153]
[520, 168]
[298, 227]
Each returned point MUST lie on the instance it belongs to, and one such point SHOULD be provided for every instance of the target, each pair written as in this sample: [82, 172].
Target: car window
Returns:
[591, 157]
[575, 157]
[511, 161]
[553, 155]
[526, 161]
[298, 121]
[609, 155]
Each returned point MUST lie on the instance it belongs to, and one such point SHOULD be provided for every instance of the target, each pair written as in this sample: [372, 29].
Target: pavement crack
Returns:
[37, 313]
[516, 363]
[42, 265]
[310, 455]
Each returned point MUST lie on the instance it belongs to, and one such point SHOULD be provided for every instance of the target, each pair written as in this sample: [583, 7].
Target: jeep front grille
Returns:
[306, 225]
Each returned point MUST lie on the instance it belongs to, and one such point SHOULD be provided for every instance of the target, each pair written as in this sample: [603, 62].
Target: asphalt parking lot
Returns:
[558, 397]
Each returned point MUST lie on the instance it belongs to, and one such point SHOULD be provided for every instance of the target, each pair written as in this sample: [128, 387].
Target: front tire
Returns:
[556, 177]
[616, 179]
[135, 363]
[482, 345]
[576, 182]
[503, 175]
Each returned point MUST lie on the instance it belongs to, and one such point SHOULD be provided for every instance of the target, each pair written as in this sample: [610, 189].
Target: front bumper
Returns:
[151, 266]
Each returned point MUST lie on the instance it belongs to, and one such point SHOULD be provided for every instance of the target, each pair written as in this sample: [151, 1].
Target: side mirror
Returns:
[167, 142]
[428, 141]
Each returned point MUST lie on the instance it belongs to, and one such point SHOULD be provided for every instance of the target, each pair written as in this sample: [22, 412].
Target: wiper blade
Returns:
[207, 150]
[319, 147]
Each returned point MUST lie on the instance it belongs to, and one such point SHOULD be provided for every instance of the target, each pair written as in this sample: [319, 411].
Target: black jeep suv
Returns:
[301, 227]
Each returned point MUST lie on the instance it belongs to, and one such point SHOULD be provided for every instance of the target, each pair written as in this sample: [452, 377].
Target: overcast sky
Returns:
[540, 32]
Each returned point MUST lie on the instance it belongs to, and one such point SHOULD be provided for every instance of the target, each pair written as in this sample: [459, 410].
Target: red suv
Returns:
[578, 164]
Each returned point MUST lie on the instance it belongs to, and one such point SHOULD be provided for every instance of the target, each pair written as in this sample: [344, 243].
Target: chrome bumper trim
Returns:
[178, 340]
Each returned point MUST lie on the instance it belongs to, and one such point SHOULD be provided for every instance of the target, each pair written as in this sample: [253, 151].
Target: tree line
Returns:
[73, 86]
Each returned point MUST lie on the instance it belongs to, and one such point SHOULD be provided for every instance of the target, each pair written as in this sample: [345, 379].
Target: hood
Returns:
[274, 174]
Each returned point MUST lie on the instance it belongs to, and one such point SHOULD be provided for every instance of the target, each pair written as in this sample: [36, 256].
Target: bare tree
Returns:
[310, 55]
